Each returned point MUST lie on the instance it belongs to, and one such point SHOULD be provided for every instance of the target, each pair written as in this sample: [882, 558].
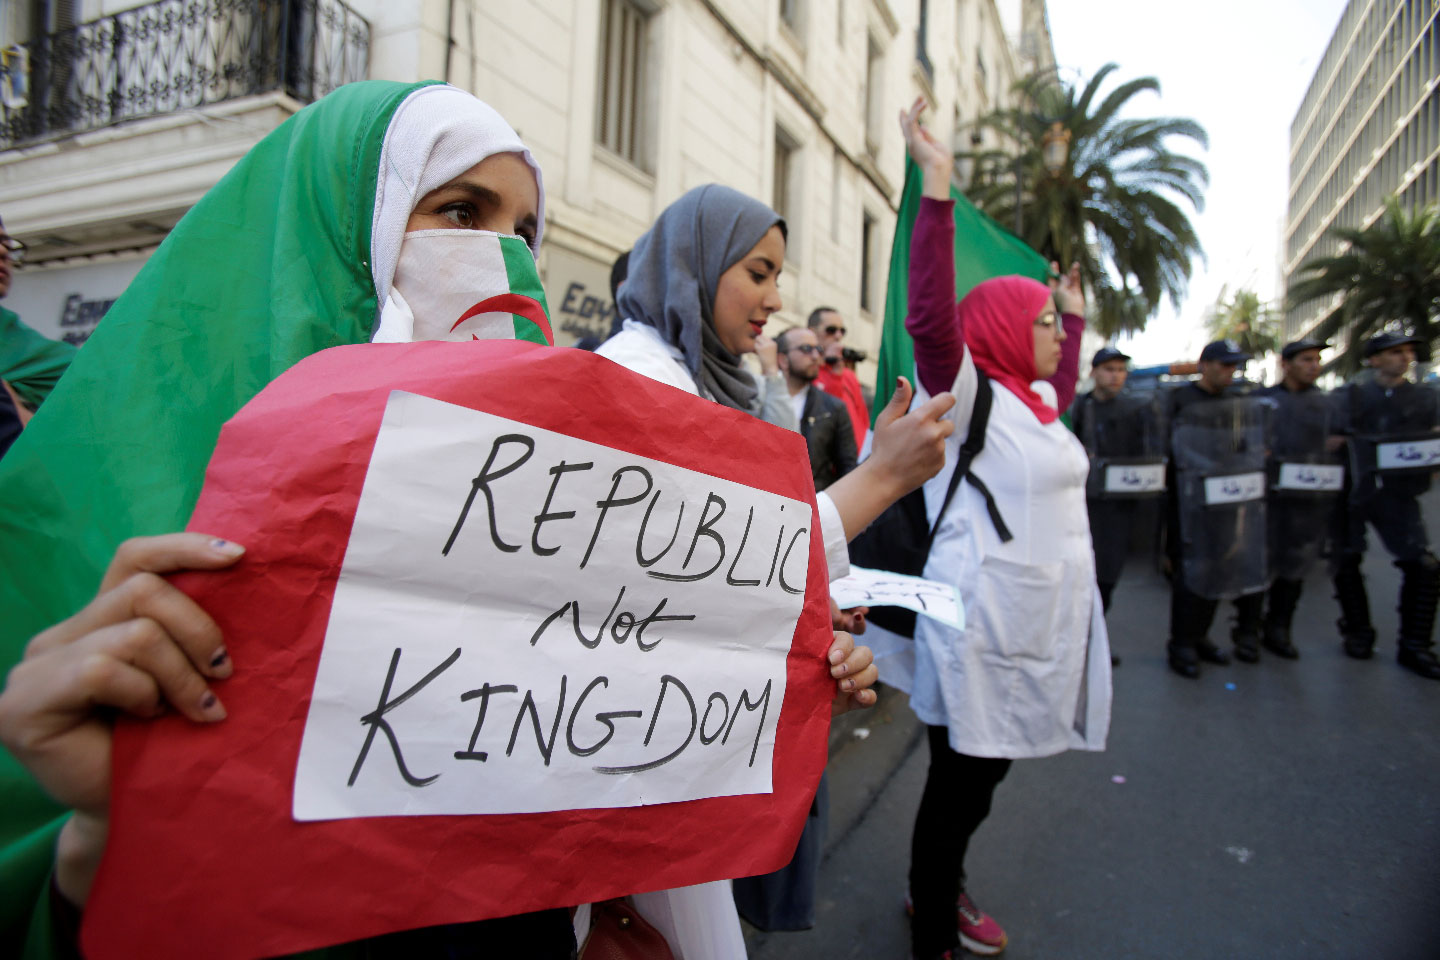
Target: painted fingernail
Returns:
[837, 655]
[226, 547]
[210, 706]
[847, 685]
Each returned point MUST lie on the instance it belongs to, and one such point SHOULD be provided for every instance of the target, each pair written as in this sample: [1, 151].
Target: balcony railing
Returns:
[176, 55]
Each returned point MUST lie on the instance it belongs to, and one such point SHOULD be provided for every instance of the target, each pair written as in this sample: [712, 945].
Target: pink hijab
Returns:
[998, 321]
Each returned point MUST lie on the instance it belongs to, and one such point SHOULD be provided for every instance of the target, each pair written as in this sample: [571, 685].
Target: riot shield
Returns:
[1126, 440]
[1219, 450]
[1305, 479]
[1393, 443]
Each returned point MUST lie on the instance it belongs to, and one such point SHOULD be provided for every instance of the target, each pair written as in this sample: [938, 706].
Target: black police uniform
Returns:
[1191, 612]
[1296, 520]
[1123, 428]
[1369, 412]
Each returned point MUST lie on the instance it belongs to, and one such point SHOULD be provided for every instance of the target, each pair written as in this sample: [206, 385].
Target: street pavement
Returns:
[1276, 810]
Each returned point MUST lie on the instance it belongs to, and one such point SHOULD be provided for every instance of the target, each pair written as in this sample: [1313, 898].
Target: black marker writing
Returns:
[482, 482]
[376, 719]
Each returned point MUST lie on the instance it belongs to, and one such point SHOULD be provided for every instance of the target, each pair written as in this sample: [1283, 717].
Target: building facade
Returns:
[1368, 127]
[626, 104]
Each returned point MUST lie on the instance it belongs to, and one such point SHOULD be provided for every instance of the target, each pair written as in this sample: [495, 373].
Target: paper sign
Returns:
[1323, 477]
[1235, 488]
[881, 588]
[623, 643]
[1135, 478]
[1408, 455]
[375, 595]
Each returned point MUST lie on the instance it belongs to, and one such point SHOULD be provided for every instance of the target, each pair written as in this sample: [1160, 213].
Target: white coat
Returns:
[1029, 676]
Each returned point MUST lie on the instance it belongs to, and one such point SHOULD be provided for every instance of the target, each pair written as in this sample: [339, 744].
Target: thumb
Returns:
[899, 403]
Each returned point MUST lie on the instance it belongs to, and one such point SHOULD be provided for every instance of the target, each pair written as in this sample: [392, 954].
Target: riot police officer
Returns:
[1124, 436]
[1305, 477]
[1216, 536]
[1394, 447]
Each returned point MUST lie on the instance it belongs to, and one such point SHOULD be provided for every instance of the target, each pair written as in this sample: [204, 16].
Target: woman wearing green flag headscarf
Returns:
[353, 221]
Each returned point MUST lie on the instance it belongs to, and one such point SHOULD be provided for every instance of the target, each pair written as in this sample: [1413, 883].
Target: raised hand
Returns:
[768, 352]
[933, 158]
[1068, 289]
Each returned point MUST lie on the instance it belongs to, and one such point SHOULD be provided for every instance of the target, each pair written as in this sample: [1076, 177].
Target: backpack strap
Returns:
[969, 450]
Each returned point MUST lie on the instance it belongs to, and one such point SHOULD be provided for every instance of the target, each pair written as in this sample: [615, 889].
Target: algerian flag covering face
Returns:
[465, 285]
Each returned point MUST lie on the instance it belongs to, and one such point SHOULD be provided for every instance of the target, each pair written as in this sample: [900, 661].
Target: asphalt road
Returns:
[1277, 810]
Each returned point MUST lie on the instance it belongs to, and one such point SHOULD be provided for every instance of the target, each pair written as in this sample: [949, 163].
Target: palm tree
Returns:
[1116, 204]
[1388, 275]
[1244, 318]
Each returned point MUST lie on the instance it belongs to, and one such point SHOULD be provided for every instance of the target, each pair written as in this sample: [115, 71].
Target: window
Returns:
[840, 23]
[786, 200]
[790, 14]
[867, 263]
[920, 39]
[619, 111]
[874, 96]
[835, 176]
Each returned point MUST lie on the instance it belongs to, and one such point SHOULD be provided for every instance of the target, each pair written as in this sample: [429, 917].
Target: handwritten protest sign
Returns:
[641, 614]
[881, 588]
[515, 629]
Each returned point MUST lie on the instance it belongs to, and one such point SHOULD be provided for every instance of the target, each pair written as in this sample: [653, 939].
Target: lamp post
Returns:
[1055, 148]
[1055, 153]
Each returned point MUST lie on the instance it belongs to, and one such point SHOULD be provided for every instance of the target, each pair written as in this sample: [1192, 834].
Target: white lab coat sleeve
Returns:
[639, 348]
[832, 530]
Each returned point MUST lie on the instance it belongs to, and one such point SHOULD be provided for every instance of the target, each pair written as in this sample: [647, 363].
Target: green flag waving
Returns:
[983, 249]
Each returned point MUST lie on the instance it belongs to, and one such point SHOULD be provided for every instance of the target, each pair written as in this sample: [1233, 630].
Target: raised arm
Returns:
[931, 320]
[1070, 299]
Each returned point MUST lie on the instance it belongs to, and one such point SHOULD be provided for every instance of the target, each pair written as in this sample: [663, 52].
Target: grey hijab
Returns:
[675, 269]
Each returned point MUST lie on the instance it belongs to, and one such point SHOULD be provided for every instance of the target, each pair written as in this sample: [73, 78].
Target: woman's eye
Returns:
[460, 214]
[757, 277]
[527, 234]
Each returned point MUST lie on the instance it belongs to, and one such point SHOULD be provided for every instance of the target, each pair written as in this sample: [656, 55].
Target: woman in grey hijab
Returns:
[702, 282]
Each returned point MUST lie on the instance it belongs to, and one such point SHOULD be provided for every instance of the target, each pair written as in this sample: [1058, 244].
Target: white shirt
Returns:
[797, 400]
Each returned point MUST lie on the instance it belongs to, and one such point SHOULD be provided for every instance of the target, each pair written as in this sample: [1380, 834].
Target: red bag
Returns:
[617, 932]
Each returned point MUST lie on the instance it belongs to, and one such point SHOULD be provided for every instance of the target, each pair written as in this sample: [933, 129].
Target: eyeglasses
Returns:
[1046, 321]
[809, 349]
[14, 249]
[832, 330]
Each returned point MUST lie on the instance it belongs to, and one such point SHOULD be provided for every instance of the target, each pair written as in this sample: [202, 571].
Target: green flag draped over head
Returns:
[269, 267]
[983, 249]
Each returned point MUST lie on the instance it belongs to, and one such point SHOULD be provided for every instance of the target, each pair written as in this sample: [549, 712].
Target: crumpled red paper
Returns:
[204, 858]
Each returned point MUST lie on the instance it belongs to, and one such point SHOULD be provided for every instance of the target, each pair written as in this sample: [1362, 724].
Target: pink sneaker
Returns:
[978, 932]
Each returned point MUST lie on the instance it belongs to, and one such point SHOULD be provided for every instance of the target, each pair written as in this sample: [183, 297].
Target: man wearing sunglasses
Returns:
[30, 364]
[824, 421]
[835, 378]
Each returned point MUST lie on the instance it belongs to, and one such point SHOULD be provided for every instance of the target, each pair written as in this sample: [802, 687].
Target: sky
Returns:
[1239, 68]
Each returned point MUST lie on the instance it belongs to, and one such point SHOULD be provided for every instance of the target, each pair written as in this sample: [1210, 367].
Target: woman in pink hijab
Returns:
[1029, 674]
